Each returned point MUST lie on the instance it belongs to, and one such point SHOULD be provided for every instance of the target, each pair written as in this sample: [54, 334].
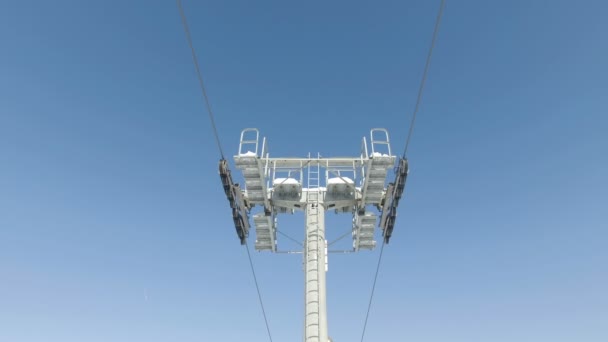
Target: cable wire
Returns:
[423, 81]
[255, 279]
[407, 143]
[371, 297]
[340, 238]
[219, 145]
[290, 238]
[200, 77]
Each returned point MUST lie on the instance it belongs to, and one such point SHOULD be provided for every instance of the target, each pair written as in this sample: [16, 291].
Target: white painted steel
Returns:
[277, 185]
[315, 322]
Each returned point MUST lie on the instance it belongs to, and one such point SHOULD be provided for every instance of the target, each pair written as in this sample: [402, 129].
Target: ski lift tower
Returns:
[350, 185]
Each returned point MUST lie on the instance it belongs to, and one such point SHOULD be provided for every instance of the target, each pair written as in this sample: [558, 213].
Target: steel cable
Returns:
[217, 140]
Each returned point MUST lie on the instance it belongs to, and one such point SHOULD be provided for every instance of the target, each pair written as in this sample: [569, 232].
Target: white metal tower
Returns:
[345, 185]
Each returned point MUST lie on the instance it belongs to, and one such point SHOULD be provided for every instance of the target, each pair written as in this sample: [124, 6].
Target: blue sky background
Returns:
[114, 226]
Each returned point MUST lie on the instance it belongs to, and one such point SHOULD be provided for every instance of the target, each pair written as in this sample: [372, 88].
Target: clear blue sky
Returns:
[114, 226]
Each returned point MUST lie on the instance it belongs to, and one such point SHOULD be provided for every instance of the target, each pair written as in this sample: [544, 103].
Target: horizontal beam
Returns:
[323, 162]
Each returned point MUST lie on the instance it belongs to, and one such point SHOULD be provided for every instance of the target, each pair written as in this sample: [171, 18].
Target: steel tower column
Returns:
[315, 323]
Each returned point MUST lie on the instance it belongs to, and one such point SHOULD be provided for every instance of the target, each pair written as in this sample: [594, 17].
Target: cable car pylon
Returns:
[348, 185]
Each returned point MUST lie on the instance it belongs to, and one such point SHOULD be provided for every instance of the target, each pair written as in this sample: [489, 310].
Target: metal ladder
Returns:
[311, 254]
[313, 175]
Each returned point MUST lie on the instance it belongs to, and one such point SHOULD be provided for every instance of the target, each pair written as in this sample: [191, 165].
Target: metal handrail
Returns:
[380, 142]
[248, 142]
